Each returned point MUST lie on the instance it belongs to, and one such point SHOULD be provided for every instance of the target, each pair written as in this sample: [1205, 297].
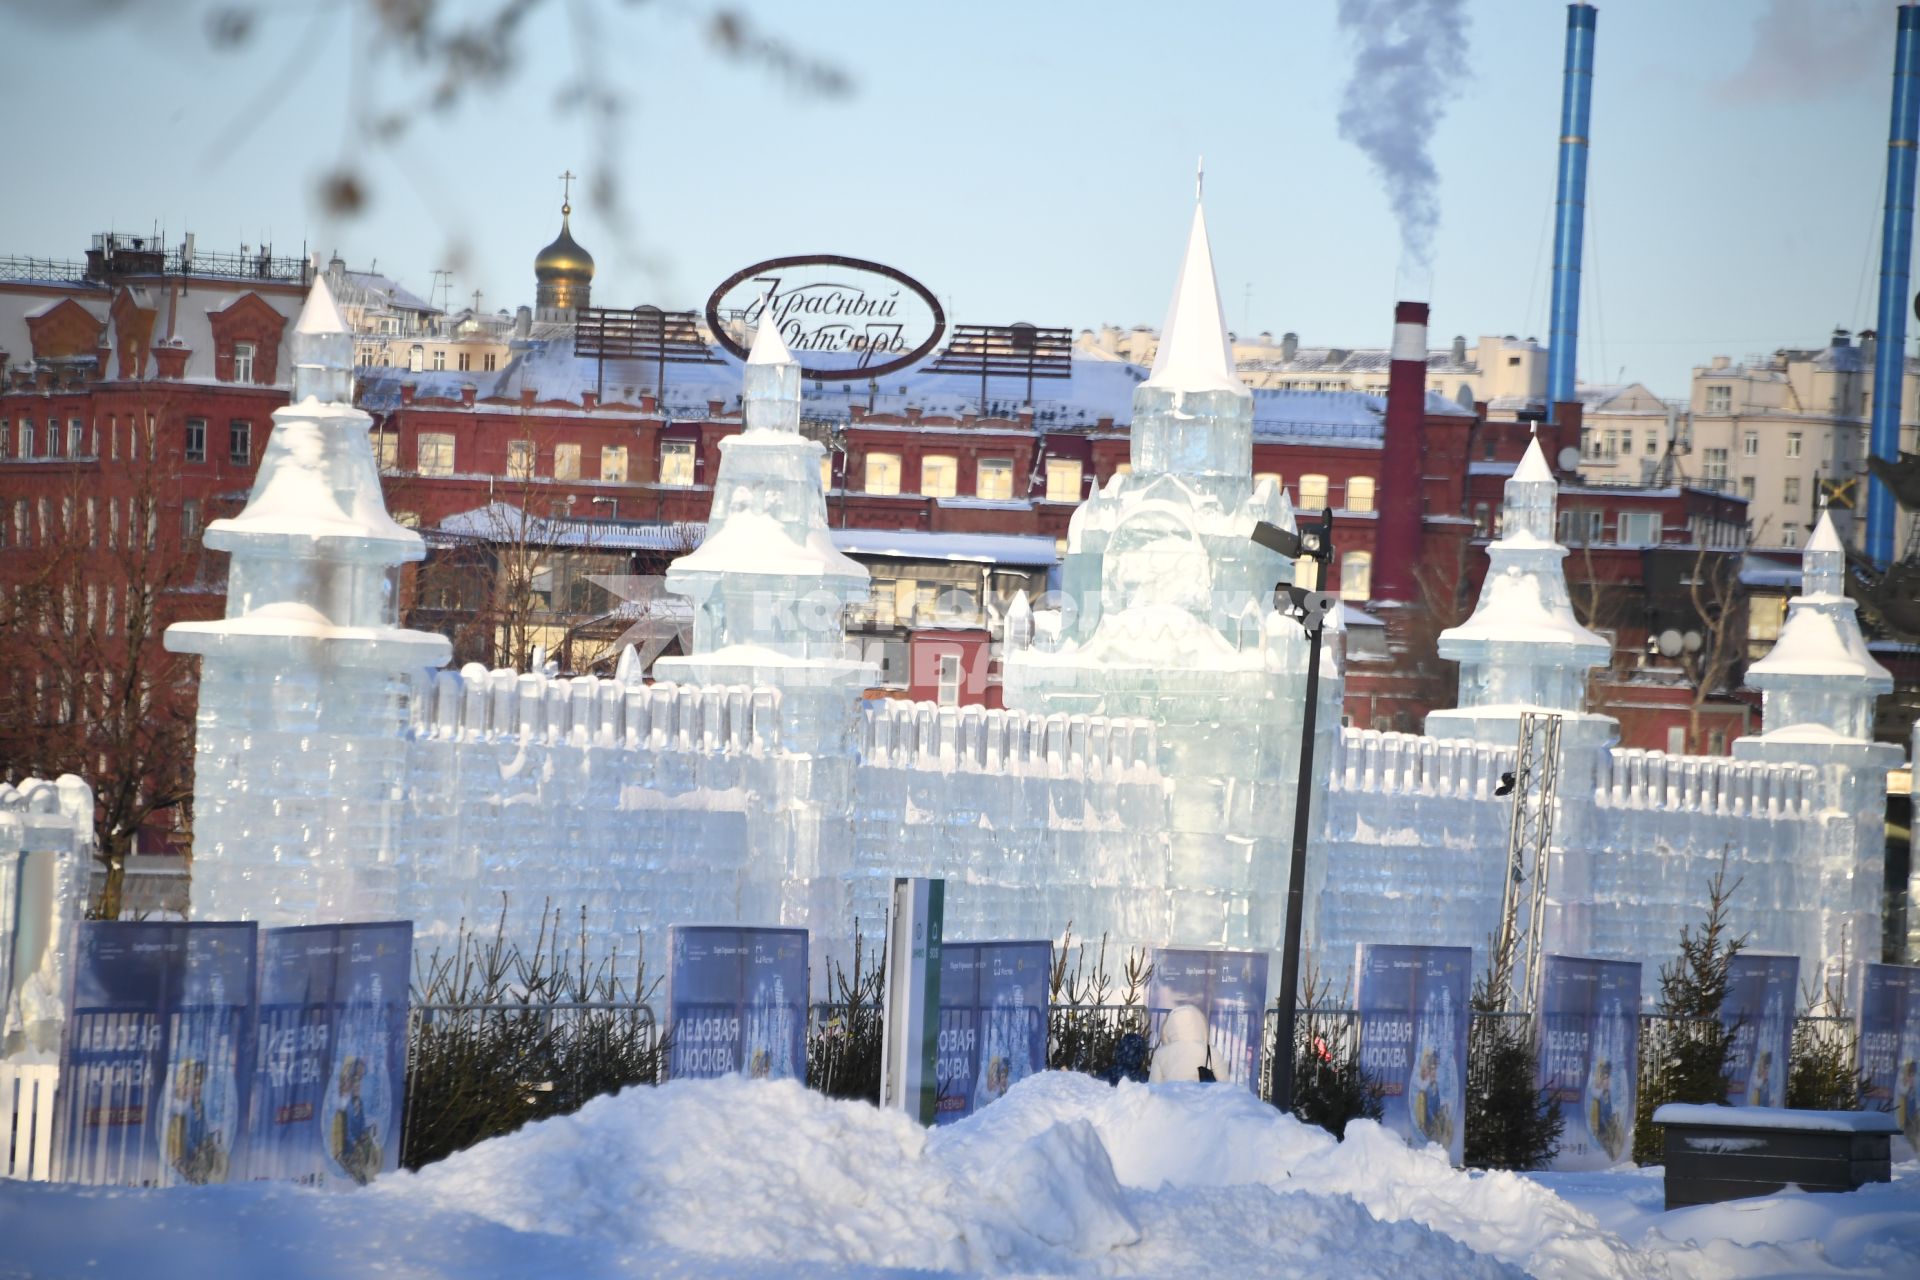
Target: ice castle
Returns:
[1139, 782]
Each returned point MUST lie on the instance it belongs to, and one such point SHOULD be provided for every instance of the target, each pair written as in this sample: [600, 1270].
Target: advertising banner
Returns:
[1230, 989]
[993, 1022]
[330, 1059]
[1759, 1010]
[1413, 1039]
[738, 1002]
[1890, 1044]
[1590, 1056]
[153, 1070]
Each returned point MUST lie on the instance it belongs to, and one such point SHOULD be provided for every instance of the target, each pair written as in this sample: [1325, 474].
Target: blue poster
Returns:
[153, 1080]
[738, 1002]
[1413, 1039]
[330, 1053]
[993, 1022]
[1230, 989]
[1890, 1044]
[1589, 1058]
[1759, 1010]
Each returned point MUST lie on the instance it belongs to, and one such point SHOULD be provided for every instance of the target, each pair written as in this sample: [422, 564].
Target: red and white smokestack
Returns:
[1396, 547]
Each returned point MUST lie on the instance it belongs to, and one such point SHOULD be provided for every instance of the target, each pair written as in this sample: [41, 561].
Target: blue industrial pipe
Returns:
[1570, 205]
[1896, 257]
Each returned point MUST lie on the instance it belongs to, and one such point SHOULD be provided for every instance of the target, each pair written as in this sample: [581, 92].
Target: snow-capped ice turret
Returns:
[1818, 687]
[1819, 676]
[1523, 648]
[768, 586]
[305, 684]
[1193, 416]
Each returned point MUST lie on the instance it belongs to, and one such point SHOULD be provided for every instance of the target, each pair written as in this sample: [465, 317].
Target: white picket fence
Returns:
[26, 1120]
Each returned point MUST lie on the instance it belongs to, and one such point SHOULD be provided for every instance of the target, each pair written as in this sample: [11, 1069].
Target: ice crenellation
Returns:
[1139, 783]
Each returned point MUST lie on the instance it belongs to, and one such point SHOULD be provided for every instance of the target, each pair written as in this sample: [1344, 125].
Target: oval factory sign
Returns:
[841, 317]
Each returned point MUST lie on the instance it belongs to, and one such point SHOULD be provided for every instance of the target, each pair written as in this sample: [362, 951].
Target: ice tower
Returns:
[305, 684]
[1818, 688]
[1523, 649]
[1168, 615]
[769, 593]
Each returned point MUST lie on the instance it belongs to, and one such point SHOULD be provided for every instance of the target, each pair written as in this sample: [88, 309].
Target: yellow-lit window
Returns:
[1123, 469]
[566, 462]
[1356, 576]
[1063, 479]
[905, 590]
[676, 462]
[1279, 481]
[883, 473]
[826, 472]
[1360, 493]
[387, 444]
[519, 459]
[1313, 492]
[995, 479]
[435, 454]
[613, 462]
[939, 475]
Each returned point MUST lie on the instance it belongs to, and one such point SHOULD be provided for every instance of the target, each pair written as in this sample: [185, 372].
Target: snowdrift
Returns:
[1065, 1176]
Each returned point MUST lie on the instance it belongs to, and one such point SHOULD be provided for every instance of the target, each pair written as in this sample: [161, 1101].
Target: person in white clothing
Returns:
[1184, 1049]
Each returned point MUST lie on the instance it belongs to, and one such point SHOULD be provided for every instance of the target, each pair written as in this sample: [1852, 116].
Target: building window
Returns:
[439, 359]
[416, 358]
[949, 692]
[1791, 490]
[1360, 493]
[613, 462]
[1313, 492]
[1639, 528]
[904, 592]
[1764, 616]
[196, 439]
[1482, 520]
[519, 459]
[1356, 576]
[1793, 444]
[53, 437]
[189, 519]
[76, 438]
[826, 473]
[1790, 535]
[939, 475]
[676, 462]
[994, 479]
[1063, 479]
[26, 438]
[1750, 444]
[466, 361]
[883, 473]
[1279, 482]
[488, 362]
[1716, 469]
[386, 446]
[240, 444]
[1123, 468]
[6, 437]
[1746, 487]
[1720, 399]
[434, 454]
[243, 362]
[566, 462]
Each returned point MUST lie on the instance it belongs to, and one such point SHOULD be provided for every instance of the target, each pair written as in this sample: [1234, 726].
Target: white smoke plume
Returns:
[1409, 58]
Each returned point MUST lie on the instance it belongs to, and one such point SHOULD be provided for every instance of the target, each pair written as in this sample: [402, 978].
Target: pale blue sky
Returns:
[1025, 161]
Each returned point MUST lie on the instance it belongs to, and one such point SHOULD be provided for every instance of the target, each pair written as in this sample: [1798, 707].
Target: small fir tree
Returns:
[1512, 1123]
[1826, 1048]
[1330, 1088]
[1683, 1055]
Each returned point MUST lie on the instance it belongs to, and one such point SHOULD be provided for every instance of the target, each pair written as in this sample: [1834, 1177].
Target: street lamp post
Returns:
[1310, 608]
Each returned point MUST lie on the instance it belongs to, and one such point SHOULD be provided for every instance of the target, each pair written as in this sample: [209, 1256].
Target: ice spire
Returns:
[1523, 647]
[771, 382]
[322, 349]
[1194, 354]
[1819, 672]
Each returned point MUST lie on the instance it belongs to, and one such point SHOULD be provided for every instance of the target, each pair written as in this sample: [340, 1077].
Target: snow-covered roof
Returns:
[390, 291]
[913, 544]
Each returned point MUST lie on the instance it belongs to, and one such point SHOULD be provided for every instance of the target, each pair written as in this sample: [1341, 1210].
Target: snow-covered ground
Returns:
[1065, 1176]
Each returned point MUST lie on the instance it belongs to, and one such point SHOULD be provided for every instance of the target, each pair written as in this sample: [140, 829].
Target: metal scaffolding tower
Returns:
[1516, 957]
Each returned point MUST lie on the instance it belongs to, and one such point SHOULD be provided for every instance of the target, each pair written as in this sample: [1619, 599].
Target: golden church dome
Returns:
[564, 259]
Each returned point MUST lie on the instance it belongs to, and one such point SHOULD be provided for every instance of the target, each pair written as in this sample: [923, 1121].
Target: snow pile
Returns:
[1064, 1176]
